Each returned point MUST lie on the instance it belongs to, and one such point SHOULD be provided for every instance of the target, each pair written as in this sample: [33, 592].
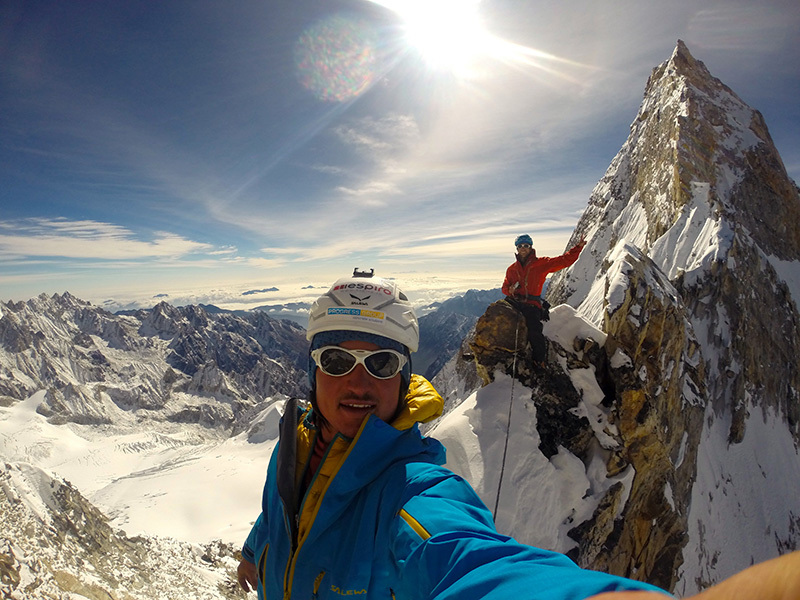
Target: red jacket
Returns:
[531, 275]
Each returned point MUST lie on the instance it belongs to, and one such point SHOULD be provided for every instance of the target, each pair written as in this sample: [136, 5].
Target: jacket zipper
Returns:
[293, 529]
[287, 587]
[317, 584]
[296, 545]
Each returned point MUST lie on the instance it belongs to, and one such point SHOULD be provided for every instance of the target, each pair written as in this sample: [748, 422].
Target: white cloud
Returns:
[89, 240]
[223, 251]
[388, 134]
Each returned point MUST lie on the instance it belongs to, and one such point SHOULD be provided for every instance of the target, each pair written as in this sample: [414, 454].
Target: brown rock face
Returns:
[660, 415]
[499, 334]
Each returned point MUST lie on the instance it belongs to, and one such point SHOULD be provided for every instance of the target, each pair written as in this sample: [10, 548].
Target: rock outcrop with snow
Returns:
[700, 191]
[690, 279]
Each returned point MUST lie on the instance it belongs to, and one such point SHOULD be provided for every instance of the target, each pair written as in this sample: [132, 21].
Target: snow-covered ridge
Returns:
[700, 193]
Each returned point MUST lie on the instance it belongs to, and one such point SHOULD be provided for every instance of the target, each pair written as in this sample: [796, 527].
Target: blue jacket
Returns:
[382, 519]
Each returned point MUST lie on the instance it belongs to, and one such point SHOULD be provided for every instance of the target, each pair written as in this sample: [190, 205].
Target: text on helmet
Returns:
[356, 312]
[367, 287]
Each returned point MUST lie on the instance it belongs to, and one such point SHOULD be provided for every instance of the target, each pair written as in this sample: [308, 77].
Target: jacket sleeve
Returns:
[251, 543]
[565, 260]
[509, 281]
[448, 549]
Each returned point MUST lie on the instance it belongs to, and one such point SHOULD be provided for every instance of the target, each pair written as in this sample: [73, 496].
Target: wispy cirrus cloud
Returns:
[76, 239]
[378, 137]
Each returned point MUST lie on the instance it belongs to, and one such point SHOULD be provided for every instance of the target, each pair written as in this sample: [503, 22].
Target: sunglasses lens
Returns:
[383, 365]
[336, 362]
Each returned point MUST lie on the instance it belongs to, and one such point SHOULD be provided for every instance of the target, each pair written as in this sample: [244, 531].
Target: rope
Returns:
[508, 426]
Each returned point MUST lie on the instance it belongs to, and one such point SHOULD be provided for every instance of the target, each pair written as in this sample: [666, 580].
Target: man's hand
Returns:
[776, 579]
[248, 575]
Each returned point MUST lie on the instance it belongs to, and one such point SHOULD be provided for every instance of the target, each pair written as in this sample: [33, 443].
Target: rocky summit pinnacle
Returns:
[691, 277]
[693, 234]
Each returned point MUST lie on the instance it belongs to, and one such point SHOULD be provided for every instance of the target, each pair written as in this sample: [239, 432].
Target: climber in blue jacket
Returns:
[356, 502]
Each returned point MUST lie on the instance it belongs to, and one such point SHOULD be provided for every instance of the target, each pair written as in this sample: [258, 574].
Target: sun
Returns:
[448, 34]
[450, 37]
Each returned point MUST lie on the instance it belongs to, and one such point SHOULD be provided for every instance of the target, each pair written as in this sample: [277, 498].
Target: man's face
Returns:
[347, 400]
[523, 250]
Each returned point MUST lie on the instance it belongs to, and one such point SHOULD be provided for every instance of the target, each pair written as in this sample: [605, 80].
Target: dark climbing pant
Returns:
[534, 315]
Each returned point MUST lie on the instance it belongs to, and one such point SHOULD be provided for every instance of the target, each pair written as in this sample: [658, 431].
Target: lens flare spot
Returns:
[336, 58]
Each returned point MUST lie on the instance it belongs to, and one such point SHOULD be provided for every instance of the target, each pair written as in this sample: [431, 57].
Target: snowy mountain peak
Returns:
[691, 273]
[696, 173]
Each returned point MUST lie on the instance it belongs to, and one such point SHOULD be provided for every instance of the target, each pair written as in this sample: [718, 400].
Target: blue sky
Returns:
[196, 150]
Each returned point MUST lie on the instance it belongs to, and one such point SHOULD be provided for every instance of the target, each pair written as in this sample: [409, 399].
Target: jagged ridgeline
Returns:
[183, 365]
[692, 269]
[673, 370]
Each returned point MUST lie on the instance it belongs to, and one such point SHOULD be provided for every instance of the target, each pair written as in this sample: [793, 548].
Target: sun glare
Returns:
[450, 37]
[448, 34]
[337, 58]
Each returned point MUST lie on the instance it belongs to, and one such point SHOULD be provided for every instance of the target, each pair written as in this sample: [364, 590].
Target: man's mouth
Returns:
[357, 405]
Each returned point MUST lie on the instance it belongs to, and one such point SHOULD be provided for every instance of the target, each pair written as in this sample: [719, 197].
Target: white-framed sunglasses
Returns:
[337, 361]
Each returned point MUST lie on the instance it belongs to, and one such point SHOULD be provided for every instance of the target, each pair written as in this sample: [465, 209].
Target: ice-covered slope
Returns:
[181, 482]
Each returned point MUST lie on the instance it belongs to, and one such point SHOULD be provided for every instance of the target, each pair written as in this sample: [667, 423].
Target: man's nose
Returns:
[360, 378]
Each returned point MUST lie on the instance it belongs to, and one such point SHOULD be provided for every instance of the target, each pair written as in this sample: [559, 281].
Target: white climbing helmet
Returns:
[368, 304]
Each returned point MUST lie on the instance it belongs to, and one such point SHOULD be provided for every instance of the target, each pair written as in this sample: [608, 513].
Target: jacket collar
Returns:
[422, 404]
[531, 256]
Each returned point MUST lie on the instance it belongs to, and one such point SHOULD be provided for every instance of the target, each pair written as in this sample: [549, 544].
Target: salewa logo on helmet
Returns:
[360, 301]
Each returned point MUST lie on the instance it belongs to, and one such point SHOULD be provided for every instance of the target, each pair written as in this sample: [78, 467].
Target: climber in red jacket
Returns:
[523, 289]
